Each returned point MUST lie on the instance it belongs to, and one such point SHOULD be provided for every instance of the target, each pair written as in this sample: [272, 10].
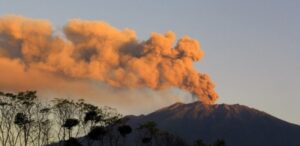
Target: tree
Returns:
[97, 133]
[8, 109]
[43, 124]
[92, 116]
[111, 119]
[69, 124]
[23, 122]
[150, 131]
[26, 103]
[88, 115]
[63, 109]
[124, 130]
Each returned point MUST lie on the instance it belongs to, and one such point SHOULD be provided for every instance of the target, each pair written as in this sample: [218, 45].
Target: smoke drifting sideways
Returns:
[94, 51]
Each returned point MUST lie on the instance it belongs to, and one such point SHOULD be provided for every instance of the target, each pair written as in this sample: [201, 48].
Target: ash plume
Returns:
[95, 51]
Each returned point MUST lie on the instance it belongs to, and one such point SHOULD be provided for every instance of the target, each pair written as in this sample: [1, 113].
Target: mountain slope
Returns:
[238, 125]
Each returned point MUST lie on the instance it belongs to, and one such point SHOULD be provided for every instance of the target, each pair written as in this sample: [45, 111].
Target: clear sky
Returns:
[252, 47]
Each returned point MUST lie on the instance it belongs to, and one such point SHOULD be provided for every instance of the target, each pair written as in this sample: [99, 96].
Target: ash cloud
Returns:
[95, 51]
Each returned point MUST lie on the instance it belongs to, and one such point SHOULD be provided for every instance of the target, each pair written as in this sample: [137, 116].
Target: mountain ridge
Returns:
[236, 124]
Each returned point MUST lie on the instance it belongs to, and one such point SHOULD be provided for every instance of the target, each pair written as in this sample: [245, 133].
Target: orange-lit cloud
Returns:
[89, 52]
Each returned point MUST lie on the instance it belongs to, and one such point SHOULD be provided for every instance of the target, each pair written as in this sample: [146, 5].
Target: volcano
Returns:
[238, 125]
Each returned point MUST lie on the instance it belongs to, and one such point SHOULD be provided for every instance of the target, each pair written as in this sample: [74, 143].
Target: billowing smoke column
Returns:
[96, 51]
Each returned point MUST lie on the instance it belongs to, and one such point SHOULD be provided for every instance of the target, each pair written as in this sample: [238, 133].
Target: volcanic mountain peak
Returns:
[199, 109]
[238, 125]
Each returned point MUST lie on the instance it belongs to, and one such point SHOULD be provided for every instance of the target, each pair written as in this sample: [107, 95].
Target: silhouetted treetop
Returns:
[69, 123]
[124, 130]
[21, 119]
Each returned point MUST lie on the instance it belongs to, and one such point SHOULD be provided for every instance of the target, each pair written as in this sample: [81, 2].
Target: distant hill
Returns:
[238, 125]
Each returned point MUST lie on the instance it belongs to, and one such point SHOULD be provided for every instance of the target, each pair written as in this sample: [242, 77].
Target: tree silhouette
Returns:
[93, 116]
[69, 124]
[63, 109]
[97, 133]
[22, 121]
[26, 104]
[111, 120]
[90, 116]
[43, 124]
[124, 130]
[150, 131]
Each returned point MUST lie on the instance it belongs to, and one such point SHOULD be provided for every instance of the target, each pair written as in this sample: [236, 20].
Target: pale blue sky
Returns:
[252, 47]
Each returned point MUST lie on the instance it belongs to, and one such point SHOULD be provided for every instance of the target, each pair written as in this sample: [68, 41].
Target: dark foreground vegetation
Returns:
[26, 121]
